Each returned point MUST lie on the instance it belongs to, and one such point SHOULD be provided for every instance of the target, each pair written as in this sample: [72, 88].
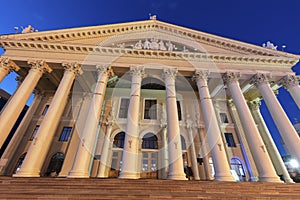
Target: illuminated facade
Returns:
[145, 99]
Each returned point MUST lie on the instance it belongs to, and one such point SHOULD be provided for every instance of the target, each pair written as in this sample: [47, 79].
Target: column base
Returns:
[289, 180]
[26, 174]
[177, 177]
[78, 175]
[270, 179]
[224, 177]
[129, 175]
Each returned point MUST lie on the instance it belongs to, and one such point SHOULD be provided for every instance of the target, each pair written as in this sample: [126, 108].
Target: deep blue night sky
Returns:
[255, 21]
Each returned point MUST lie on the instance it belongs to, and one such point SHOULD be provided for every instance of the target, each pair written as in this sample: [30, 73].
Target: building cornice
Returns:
[108, 51]
[69, 35]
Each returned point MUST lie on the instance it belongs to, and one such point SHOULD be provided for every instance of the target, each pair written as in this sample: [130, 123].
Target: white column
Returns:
[104, 162]
[163, 125]
[131, 144]
[19, 134]
[285, 127]
[270, 145]
[6, 66]
[189, 126]
[80, 168]
[257, 147]
[16, 104]
[204, 155]
[291, 83]
[176, 171]
[221, 165]
[40, 145]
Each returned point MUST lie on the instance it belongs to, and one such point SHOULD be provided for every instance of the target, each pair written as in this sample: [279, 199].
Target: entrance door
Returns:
[149, 156]
[116, 163]
[149, 165]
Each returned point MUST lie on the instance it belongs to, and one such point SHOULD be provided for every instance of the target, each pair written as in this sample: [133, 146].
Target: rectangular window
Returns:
[45, 110]
[223, 118]
[150, 110]
[34, 132]
[230, 140]
[65, 134]
[179, 110]
[124, 108]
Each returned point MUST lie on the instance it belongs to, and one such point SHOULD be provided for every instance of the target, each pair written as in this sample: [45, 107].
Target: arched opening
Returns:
[149, 156]
[153, 84]
[237, 169]
[55, 164]
[117, 153]
[20, 162]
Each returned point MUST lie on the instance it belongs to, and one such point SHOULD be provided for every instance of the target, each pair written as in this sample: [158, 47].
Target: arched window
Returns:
[55, 164]
[149, 141]
[183, 144]
[20, 162]
[119, 140]
[237, 166]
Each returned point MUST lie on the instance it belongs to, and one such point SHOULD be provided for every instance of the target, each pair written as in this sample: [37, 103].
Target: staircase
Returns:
[63, 188]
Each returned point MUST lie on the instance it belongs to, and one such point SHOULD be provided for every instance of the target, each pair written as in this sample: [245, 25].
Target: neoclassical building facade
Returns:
[145, 99]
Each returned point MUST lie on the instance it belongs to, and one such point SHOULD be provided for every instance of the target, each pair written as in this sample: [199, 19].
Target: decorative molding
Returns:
[39, 65]
[201, 74]
[199, 57]
[8, 65]
[254, 105]
[230, 77]
[72, 68]
[137, 71]
[169, 73]
[259, 78]
[289, 80]
[104, 70]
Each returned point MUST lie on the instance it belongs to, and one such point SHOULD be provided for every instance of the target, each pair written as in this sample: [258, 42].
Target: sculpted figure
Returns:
[162, 46]
[146, 44]
[138, 45]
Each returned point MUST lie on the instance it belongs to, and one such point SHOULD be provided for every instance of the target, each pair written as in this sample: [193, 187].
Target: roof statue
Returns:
[269, 45]
[28, 29]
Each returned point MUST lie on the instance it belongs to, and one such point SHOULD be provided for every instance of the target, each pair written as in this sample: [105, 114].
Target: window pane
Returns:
[33, 135]
[223, 117]
[150, 110]
[179, 110]
[123, 108]
[65, 134]
[230, 140]
[45, 110]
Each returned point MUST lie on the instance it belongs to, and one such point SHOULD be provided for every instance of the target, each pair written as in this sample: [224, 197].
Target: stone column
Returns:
[176, 171]
[131, 144]
[80, 168]
[204, 154]
[6, 66]
[221, 164]
[104, 163]
[291, 83]
[257, 147]
[189, 126]
[16, 104]
[165, 162]
[285, 127]
[19, 134]
[249, 161]
[270, 145]
[39, 147]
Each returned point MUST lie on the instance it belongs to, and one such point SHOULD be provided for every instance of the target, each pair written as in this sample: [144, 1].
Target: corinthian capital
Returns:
[104, 70]
[229, 77]
[254, 105]
[201, 75]
[72, 67]
[289, 80]
[170, 73]
[258, 79]
[137, 71]
[8, 64]
[39, 65]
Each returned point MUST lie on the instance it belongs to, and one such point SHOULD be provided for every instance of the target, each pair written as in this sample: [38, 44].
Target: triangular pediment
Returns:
[149, 34]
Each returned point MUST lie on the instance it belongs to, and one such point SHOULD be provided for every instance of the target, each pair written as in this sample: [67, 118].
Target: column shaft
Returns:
[221, 165]
[285, 127]
[291, 83]
[80, 168]
[130, 153]
[176, 171]
[270, 145]
[105, 152]
[16, 104]
[39, 147]
[260, 155]
[193, 155]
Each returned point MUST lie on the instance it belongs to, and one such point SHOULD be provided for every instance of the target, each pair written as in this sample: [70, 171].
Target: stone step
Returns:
[63, 188]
